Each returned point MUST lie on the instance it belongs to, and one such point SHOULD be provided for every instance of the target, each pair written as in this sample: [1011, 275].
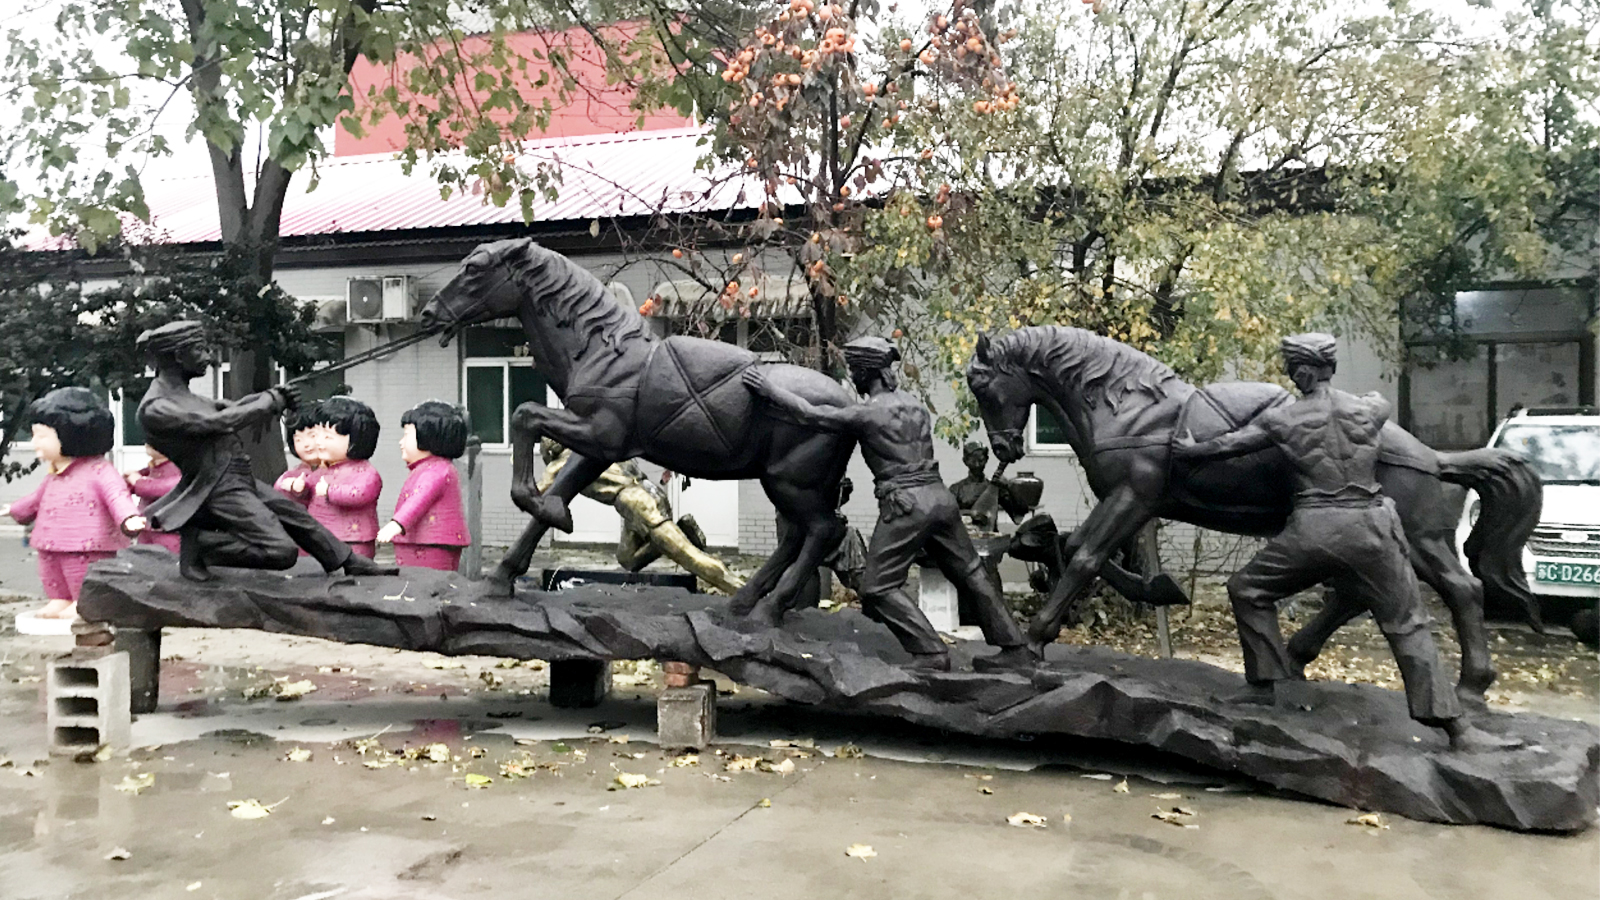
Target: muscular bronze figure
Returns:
[916, 511]
[1342, 531]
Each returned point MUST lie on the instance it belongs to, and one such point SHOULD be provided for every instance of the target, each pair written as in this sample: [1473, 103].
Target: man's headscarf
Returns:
[869, 354]
[1315, 349]
[170, 338]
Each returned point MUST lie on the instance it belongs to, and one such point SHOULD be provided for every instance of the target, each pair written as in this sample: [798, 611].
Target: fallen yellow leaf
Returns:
[250, 809]
[740, 764]
[1370, 820]
[630, 780]
[1122, 787]
[294, 690]
[474, 780]
[298, 754]
[686, 760]
[860, 851]
[1026, 820]
[133, 784]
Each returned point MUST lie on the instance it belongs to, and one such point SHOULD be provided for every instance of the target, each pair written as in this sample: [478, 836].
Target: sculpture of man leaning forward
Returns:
[222, 514]
[1342, 531]
[916, 511]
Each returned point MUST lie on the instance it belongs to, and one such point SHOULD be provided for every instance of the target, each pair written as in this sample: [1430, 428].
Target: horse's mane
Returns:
[1094, 367]
[572, 295]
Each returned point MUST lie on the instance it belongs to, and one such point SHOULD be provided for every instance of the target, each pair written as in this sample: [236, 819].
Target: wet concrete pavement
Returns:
[371, 814]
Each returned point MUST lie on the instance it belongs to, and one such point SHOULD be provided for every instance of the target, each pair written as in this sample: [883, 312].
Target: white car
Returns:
[1562, 558]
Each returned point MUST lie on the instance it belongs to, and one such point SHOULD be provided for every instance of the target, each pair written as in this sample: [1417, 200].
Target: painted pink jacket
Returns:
[303, 496]
[429, 507]
[81, 509]
[350, 508]
[155, 482]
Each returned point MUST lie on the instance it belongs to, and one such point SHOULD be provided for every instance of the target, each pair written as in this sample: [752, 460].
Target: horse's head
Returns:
[484, 288]
[1005, 398]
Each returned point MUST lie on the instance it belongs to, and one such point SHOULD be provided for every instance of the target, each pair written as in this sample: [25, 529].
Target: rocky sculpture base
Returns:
[1351, 745]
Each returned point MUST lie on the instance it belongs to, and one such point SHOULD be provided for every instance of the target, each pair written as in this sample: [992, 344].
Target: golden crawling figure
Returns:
[648, 531]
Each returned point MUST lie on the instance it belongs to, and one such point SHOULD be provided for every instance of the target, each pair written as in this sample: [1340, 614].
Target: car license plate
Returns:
[1567, 573]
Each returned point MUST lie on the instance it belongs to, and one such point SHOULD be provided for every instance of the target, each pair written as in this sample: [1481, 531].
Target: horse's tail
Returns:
[1512, 499]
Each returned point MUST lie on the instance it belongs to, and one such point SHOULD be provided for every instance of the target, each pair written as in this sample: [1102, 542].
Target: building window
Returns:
[1047, 435]
[499, 377]
[1452, 401]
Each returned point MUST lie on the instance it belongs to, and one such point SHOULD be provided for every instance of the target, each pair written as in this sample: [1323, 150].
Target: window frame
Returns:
[504, 364]
[1036, 447]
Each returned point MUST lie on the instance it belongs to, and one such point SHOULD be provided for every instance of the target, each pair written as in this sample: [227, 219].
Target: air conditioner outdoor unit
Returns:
[379, 299]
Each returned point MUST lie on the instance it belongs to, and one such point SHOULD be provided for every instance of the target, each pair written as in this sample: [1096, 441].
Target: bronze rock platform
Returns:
[1351, 745]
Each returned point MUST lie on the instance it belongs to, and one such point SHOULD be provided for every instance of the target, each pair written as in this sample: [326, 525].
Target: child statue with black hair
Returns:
[301, 429]
[344, 494]
[429, 527]
[82, 512]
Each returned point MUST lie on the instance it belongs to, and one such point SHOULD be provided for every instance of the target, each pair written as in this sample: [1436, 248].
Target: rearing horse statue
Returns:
[677, 402]
[1122, 410]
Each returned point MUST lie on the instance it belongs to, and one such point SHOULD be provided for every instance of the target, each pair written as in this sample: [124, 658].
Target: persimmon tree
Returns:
[804, 100]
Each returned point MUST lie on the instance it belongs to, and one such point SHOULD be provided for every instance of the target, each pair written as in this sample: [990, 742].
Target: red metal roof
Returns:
[602, 176]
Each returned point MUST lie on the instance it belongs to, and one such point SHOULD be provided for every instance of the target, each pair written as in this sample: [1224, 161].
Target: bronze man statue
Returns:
[1342, 531]
[223, 515]
[648, 531]
[916, 511]
[978, 495]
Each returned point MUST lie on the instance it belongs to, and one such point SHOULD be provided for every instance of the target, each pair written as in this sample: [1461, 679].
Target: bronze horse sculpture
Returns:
[677, 402]
[1122, 411]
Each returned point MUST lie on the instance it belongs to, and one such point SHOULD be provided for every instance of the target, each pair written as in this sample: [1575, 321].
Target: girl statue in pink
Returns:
[82, 513]
[297, 481]
[150, 484]
[428, 528]
[344, 494]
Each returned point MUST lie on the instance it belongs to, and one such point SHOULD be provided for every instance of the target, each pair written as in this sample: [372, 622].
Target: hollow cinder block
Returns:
[687, 716]
[88, 703]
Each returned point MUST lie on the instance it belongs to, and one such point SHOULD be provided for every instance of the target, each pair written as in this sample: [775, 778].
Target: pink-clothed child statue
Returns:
[150, 484]
[297, 482]
[83, 512]
[344, 495]
[429, 528]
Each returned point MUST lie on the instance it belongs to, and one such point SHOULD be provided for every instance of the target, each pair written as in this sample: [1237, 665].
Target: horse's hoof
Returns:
[1471, 700]
[498, 584]
[551, 512]
[743, 602]
[1164, 590]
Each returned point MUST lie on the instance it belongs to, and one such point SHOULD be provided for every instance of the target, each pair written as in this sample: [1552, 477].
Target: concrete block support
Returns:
[579, 683]
[687, 716]
[88, 703]
[144, 667]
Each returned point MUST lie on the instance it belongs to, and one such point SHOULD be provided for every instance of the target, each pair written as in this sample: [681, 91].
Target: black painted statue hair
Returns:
[441, 428]
[80, 419]
[299, 420]
[350, 416]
